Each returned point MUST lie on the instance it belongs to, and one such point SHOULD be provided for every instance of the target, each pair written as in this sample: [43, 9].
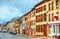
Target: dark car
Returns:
[11, 32]
[0, 30]
[14, 33]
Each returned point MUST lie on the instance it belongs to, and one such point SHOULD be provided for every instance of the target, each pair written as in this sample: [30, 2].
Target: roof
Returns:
[41, 2]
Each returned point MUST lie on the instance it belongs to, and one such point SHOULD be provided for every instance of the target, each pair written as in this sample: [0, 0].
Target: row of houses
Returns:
[42, 20]
[1, 27]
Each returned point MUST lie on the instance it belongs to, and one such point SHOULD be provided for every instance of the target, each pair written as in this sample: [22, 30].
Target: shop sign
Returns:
[55, 16]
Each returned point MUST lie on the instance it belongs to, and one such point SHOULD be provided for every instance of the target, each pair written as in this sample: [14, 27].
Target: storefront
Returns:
[41, 30]
[54, 28]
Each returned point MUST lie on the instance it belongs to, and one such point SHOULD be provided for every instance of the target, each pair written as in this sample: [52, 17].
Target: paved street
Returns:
[9, 36]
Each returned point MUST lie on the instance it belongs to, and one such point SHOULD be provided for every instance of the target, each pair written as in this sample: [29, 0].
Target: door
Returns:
[45, 30]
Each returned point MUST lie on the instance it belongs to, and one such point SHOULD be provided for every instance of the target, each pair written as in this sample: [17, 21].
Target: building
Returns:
[22, 24]
[28, 24]
[42, 20]
[33, 21]
[10, 27]
[1, 27]
[17, 26]
[14, 26]
[47, 18]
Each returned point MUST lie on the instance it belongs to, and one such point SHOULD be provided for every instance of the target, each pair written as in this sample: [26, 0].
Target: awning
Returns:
[54, 22]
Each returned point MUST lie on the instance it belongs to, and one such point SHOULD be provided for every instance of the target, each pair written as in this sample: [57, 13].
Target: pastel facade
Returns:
[28, 24]
[42, 20]
[46, 24]
[22, 25]
[14, 26]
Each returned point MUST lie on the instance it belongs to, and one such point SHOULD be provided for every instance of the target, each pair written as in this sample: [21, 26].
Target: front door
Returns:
[45, 30]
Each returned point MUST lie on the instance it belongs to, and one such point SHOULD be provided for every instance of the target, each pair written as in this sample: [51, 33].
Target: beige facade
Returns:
[49, 8]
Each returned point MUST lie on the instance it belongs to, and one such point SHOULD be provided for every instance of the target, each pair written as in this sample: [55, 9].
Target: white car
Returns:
[4, 31]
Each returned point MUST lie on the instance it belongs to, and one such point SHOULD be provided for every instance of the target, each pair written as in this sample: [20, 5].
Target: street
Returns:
[9, 36]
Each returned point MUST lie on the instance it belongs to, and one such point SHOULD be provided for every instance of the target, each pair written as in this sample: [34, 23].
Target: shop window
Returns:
[54, 28]
[59, 28]
[38, 28]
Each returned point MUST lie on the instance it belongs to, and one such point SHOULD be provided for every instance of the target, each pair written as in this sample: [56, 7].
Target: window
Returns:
[58, 16]
[49, 6]
[44, 7]
[59, 28]
[38, 10]
[52, 17]
[41, 8]
[44, 16]
[56, 3]
[54, 28]
[31, 23]
[49, 17]
[33, 13]
[36, 18]
[38, 28]
[25, 18]
[52, 5]
[41, 18]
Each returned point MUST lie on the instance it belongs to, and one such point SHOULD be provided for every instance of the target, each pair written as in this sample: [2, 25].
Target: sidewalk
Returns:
[43, 38]
[35, 37]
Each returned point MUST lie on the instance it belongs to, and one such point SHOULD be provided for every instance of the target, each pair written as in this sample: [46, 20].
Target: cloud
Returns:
[10, 9]
[7, 13]
[23, 5]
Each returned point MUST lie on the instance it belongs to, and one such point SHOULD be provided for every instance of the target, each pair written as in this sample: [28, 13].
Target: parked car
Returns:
[4, 31]
[0, 30]
[13, 33]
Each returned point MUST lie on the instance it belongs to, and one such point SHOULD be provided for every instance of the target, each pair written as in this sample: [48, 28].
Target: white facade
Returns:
[54, 28]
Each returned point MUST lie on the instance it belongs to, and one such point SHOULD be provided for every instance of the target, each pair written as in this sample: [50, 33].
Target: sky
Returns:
[10, 9]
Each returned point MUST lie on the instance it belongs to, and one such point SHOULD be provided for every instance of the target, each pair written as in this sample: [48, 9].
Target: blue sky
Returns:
[10, 9]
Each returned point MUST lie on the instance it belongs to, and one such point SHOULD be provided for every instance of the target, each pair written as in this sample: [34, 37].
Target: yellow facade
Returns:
[47, 11]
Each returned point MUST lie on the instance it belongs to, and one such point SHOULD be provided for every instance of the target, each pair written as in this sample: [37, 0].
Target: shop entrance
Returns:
[55, 29]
